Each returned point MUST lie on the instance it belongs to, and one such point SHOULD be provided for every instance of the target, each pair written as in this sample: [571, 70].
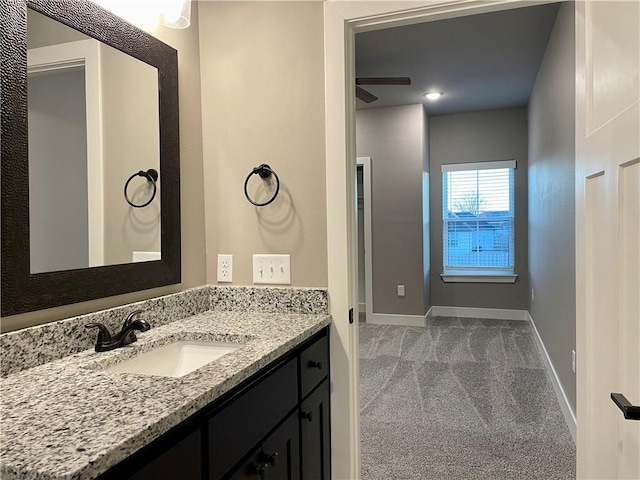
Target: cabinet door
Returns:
[278, 458]
[241, 425]
[315, 435]
[314, 365]
[181, 461]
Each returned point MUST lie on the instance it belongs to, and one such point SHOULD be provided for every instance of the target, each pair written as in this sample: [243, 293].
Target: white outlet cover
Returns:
[272, 269]
[225, 268]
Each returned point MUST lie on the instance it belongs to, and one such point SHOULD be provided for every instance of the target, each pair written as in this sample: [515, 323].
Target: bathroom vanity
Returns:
[273, 425]
[260, 411]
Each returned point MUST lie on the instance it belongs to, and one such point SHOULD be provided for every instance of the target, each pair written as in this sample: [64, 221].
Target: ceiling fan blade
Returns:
[383, 81]
[365, 96]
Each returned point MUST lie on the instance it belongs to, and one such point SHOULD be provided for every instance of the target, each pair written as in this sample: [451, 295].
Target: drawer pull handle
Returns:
[258, 470]
[269, 459]
[266, 460]
[314, 364]
[306, 415]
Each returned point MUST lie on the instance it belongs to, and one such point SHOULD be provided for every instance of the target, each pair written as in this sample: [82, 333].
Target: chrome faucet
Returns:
[127, 335]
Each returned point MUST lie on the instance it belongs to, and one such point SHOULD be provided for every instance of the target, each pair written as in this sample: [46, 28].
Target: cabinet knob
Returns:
[306, 416]
[259, 470]
[314, 364]
[269, 459]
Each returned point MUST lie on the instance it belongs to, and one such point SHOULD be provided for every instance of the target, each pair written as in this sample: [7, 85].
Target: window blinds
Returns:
[478, 216]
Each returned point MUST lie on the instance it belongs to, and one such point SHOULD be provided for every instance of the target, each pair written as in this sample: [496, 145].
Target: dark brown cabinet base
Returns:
[315, 434]
[278, 458]
[274, 426]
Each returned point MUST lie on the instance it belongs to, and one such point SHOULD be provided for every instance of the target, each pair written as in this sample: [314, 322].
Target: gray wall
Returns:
[131, 142]
[477, 137]
[551, 199]
[42, 31]
[394, 139]
[58, 218]
[276, 50]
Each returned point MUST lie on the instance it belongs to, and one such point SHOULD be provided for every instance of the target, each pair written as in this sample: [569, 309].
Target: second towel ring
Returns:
[264, 171]
[152, 176]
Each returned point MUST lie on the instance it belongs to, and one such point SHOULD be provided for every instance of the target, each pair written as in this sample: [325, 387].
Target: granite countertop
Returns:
[68, 419]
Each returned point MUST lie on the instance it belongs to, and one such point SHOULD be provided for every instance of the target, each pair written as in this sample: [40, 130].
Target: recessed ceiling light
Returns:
[433, 95]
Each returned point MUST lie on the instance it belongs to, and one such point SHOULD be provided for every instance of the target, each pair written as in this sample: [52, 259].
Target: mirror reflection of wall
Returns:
[93, 122]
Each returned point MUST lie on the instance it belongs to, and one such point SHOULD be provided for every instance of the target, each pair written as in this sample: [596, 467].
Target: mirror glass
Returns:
[93, 122]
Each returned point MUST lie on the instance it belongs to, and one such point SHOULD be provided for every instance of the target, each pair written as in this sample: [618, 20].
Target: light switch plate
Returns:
[272, 269]
[225, 268]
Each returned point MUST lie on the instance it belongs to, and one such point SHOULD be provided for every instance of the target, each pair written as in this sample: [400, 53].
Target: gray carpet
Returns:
[460, 399]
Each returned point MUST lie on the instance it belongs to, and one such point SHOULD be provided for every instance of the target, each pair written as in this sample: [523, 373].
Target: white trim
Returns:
[342, 253]
[473, 312]
[565, 406]
[478, 277]
[392, 319]
[70, 55]
[49, 65]
[362, 307]
[457, 167]
[365, 162]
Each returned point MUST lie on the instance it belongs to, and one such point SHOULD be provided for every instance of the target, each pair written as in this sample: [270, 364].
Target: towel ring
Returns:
[264, 171]
[152, 176]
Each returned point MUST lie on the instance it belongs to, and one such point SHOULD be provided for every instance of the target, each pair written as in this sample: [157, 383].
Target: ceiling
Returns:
[479, 62]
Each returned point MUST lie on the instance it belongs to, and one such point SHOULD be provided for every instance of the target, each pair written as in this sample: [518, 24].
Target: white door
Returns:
[608, 235]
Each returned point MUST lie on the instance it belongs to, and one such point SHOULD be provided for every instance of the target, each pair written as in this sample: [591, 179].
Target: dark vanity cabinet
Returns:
[314, 434]
[176, 458]
[275, 425]
[277, 457]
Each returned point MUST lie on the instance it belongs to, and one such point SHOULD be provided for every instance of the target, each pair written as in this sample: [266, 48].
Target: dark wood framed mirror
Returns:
[25, 291]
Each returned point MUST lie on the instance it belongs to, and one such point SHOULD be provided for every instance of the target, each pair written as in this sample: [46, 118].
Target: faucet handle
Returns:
[104, 336]
[129, 320]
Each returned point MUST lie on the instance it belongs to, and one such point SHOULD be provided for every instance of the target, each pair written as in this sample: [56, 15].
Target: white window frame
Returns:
[479, 274]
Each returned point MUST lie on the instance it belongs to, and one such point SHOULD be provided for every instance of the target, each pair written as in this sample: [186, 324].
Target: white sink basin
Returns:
[175, 359]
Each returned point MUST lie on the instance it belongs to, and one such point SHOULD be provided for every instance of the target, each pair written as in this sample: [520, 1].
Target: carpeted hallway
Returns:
[460, 399]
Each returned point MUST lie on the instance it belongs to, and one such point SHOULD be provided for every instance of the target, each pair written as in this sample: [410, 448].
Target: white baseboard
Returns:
[473, 312]
[391, 319]
[565, 406]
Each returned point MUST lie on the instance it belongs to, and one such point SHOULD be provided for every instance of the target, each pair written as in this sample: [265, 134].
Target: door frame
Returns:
[365, 163]
[342, 20]
[83, 53]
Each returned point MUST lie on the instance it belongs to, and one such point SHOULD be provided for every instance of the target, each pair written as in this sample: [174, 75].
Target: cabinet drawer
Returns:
[180, 461]
[177, 454]
[278, 458]
[314, 365]
[238, 427]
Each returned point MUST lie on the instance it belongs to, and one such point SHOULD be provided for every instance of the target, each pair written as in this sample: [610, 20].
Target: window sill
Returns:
[463, 276]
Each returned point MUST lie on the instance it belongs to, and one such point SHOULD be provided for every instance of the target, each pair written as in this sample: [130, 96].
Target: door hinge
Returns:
[351, 315]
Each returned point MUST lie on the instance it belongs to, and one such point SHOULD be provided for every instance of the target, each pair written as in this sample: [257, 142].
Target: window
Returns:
[478, 219]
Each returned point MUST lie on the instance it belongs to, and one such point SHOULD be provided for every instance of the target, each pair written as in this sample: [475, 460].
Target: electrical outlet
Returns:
[401, 290]
[533, 294]
[573, 361]
[272, 269]
[225, 268]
